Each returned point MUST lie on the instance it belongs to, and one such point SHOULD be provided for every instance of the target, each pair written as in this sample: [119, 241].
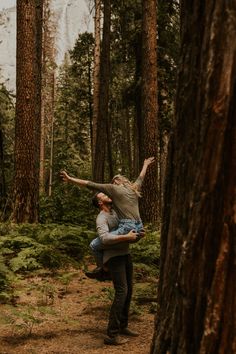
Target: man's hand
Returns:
[142, 233]
[65, 177]
[132, 236]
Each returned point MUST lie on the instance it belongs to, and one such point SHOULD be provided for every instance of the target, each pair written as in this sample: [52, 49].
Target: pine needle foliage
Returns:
[7, 112]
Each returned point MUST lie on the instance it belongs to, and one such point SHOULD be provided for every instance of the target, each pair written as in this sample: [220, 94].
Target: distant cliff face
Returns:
[71, 18]
[8, 47]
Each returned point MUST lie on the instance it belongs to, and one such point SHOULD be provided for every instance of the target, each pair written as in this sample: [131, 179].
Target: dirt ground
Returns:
[67, 314]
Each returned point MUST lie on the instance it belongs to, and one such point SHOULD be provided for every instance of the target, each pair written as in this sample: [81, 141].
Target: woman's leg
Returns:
[96, 247]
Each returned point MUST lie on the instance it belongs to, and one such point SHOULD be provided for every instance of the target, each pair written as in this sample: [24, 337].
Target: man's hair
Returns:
[95, 200]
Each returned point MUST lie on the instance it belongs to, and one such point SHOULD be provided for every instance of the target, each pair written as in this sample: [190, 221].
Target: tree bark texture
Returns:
[47, 106]
[149, 129]
[137, 102]
[96, 75]
[28, 106]
[102, 122]
[163, 152]
[197, 287]
[2, 168]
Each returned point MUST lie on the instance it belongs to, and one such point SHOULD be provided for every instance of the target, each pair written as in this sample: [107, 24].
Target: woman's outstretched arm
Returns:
[146, 163]
[66, 178]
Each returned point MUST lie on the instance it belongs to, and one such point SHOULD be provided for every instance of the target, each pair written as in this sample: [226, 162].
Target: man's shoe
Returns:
[128, 332]
[106, 275]
[97, 273]
[115, 340]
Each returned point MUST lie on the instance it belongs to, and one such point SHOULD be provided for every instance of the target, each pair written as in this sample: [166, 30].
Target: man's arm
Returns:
[109, 239]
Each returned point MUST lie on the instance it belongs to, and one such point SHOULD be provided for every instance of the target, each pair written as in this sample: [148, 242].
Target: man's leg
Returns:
[129, 281]
[117, 268]
[125, 314]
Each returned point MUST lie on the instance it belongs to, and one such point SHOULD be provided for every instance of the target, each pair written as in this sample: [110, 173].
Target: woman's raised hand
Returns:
[149, 160]
[65, 177]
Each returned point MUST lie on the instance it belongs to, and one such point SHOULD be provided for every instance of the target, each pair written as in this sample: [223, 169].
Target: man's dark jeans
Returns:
[121, 270]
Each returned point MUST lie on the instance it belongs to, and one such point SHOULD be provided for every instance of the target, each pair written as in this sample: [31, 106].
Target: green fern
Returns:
[6, 277]
[26, 260]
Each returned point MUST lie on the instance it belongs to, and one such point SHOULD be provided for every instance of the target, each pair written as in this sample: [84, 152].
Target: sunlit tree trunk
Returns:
[48, 97]
[126, 148]
[109, 147]
[149, 130]
[90, 105]
[96, 76]
[28, 104]
[43, 105]
[163, 153]
[102, 123]
[137, 128]
[51, 133]
[197, 287]
[42, 153]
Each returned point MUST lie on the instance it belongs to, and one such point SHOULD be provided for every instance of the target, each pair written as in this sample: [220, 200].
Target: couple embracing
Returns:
[118, 224]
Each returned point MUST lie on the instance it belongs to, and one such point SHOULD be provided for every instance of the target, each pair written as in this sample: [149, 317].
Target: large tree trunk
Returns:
[163, 153]
[96, 76]
[48, 96]
[197, 288]
[51, 133]
[126, 147]
[137, 102]
[102, 123]
[149, 132]
[28, 103]
[2, 167]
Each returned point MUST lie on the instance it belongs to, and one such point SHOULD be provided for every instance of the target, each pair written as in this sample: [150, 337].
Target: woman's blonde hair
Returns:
[123, 180]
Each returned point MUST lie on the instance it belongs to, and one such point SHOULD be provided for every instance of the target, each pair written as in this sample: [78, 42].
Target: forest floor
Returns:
[67, 313]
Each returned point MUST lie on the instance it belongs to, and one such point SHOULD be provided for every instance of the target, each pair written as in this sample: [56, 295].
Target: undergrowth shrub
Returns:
[4, 275]
[68, 204]
[21, 320]
[28, 247]
[6, 278]
[146, 255]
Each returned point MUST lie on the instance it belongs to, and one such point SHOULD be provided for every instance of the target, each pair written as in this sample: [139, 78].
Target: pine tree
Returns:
[102, 122]
[28, 111]
[96, 75]
[149, 127]
[196, 310]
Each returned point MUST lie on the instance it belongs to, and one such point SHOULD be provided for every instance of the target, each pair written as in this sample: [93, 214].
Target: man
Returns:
[117, 257]
[125, 196]
[109, 218]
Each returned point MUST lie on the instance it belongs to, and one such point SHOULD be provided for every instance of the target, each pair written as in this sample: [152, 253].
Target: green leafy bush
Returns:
[146, 255]
[3, 275]
[28, 247]
[69, 204]
[6, 277]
